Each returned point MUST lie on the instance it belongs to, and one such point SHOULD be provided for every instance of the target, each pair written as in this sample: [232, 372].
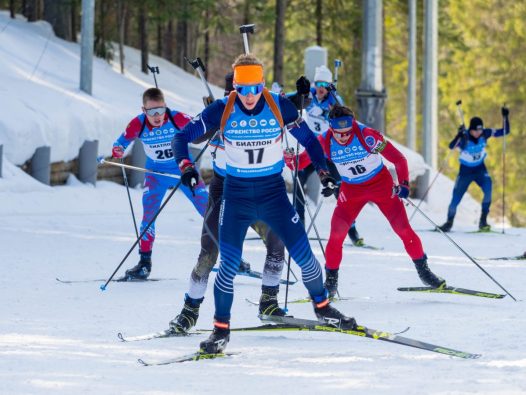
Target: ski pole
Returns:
[314, 217]
[245, 30]
[294, 188]
[503, 169]
[154, 70]
[312, 224]
[103, 287]
[337, 65]
[129, 197]
[442, 165]
[459, 248]
[103, 161]
[294, 191]
[198, 65]
[440, 169]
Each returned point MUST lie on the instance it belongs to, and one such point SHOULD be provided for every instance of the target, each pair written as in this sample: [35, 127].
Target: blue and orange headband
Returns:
[341, 122]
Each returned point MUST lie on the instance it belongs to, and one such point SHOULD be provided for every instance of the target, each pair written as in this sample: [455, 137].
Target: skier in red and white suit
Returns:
[357, 151]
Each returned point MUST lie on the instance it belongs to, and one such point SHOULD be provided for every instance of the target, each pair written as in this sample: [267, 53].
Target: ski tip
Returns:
[142, 362]
[403, 331]
[103, 287]
[120, 336]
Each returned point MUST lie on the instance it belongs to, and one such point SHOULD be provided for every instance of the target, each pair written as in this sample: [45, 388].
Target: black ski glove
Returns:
[189, 174]
[303, 86]
[461, 130]
[505, 111]
[328, 183]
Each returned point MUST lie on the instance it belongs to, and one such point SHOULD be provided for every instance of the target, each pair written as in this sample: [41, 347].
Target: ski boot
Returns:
[331, 316]
[268, 302]
[244, 267]
[218, 340]
[331, 282]
[446, 226]
[355, 237]
[188, 316]
[142, 270]
[483, 223]
[426, 275]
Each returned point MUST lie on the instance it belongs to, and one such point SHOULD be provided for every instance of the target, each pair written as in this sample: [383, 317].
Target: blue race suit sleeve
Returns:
[498, 132]
[209, 119]
[458, 140]
[299, 129]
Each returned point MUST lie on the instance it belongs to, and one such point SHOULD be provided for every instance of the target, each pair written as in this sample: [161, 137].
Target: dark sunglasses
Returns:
[155, 111]
[245, 90]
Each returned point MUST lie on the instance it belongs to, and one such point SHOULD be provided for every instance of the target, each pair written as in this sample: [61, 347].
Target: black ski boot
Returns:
[188, 316]
[268, 302]
[331, 316]
[331, 282]
[483, 223]
[355, 237]
[446, 226]
[426, 275]
[244, 267]
[218, 340]
[142, 270]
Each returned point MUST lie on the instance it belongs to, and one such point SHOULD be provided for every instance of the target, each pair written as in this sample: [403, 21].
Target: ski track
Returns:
[62, 338]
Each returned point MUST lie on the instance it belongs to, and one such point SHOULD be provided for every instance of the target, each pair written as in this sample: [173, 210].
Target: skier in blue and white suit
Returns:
[472, 146]
[251, 120]
[323, 97]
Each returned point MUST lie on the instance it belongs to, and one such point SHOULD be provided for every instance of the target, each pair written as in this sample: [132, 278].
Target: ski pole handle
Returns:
[245, 30]
[460, 112]
[154, 70]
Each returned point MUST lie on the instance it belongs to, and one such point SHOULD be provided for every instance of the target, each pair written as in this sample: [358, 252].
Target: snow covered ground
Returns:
[62, 338]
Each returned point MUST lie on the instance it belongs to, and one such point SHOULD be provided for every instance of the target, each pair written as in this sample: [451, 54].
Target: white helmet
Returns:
[323, 74]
